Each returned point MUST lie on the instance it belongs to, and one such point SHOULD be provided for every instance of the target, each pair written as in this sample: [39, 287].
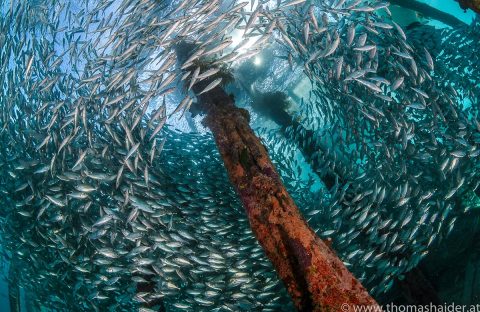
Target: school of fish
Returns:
[100, 195]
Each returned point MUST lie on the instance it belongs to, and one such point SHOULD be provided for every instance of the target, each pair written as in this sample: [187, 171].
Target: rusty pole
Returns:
[315, 277]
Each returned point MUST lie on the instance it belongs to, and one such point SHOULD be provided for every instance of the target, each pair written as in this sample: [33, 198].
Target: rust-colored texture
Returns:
[470, 4]
[315, 277]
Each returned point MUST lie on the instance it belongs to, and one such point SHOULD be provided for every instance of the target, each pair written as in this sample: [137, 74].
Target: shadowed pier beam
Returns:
[13, 290]
[429, 11]
[417, 289]
[315, 277]
[273, 105]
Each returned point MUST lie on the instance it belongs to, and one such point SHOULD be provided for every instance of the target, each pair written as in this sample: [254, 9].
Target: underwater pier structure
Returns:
[429, 11]
[470, 4]
[415, 287]
[313, 274]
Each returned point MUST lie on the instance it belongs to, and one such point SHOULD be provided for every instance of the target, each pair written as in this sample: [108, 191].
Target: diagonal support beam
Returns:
[315, 277]
[429, 11]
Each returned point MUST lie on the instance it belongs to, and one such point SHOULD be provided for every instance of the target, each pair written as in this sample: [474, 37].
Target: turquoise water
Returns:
[115, 197]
